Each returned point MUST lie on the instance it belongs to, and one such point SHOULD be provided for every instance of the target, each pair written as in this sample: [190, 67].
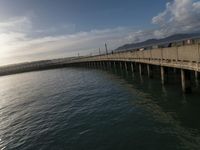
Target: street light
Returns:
[106, 49]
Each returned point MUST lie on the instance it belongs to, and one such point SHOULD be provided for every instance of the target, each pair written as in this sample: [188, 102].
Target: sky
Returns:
[44, 29]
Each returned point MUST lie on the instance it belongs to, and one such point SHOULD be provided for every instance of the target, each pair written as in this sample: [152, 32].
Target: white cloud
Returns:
[17, 44]
[196, 6]
[179, 16]
[18, 24]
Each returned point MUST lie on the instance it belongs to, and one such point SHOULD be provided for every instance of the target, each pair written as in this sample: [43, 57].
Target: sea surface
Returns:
[90, 109]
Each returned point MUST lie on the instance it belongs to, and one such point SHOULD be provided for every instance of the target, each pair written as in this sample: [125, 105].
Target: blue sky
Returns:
[84, 14]
[44, 29]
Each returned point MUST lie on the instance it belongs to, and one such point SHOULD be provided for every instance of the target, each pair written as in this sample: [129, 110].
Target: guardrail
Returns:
[187, 56]
[184, 57]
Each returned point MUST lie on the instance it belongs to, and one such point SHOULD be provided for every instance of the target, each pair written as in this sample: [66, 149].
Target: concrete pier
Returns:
[184, 60]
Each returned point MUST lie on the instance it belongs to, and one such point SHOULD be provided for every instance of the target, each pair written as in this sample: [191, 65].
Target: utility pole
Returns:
[106, 49]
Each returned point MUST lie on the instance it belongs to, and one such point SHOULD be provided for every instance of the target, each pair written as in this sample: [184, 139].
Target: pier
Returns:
[184, 59]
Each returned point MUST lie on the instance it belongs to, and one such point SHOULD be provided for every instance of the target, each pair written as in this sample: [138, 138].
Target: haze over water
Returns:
[74, 108]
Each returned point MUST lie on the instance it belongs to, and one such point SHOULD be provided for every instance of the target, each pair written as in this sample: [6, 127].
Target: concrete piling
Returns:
[149, 71]
[125, 64]
[162, 71]
[120, 64]
[196, 78]
[186, 81]
[132, 68]
[140, 69]
[114, 64]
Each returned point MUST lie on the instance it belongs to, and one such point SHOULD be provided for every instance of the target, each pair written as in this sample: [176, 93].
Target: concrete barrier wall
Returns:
[128, 55]
[183, 53]
[170, 53]
[140, 54]
[147, 54]
[133, 55]
[156, 53]
[188, 53]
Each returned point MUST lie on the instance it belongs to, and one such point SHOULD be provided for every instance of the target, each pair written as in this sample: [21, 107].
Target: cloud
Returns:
[196, 6]
[180, 16]
[17, 43]
[82, 42]
[18, 24]
[20, 41]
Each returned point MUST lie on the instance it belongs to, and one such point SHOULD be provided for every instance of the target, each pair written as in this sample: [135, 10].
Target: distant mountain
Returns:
[175, 37]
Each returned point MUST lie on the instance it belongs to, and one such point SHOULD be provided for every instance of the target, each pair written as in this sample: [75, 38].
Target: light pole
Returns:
[106, 49]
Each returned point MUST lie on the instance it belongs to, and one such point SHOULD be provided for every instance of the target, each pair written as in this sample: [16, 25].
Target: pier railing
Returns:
[185, 57]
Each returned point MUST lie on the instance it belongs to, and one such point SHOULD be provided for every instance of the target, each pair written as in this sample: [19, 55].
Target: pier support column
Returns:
[106, 64]
[110, 64]
[103, 65]
[95, 64]
[87, 64]
[196, 78]
[125, 64]
[120, 64]
[114, 64]
[162, 71]
[140, 69]
[132, 69]
[175, 70]
[91, 65]
[186, 81]
[149, 71]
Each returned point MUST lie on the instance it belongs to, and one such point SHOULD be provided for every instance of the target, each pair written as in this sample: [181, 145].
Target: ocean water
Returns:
[88, 109]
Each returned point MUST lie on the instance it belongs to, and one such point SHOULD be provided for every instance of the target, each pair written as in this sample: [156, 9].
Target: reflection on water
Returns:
[77, 108]
[167, 104]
